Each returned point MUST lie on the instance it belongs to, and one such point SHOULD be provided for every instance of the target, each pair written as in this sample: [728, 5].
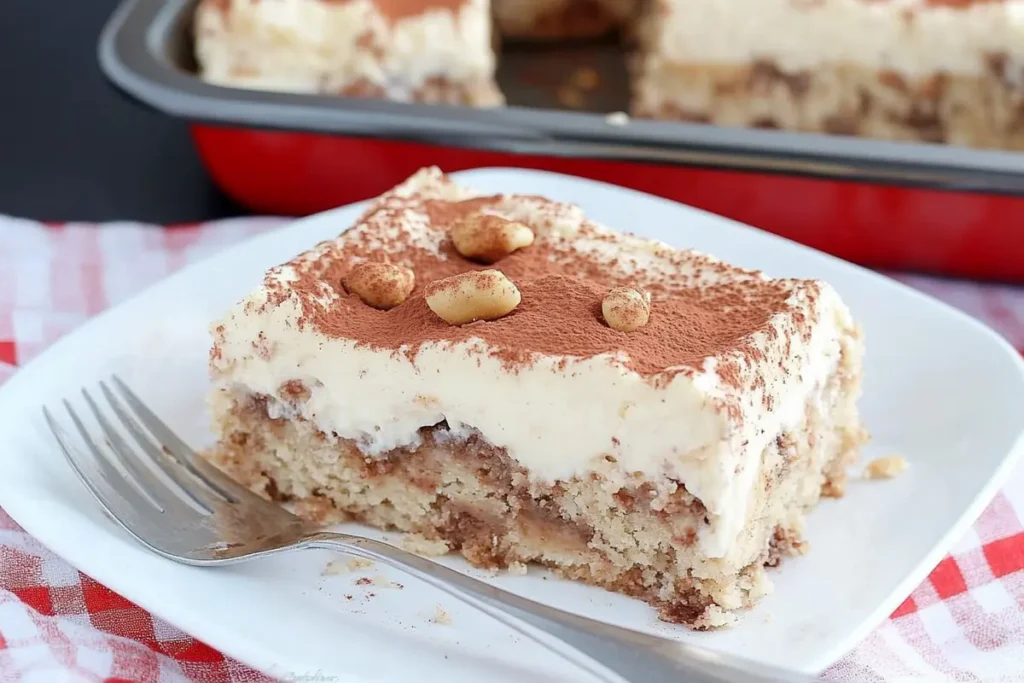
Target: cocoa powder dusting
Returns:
[562, 290]
[395, 10]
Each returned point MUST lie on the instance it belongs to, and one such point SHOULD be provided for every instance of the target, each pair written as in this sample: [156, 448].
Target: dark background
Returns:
[71, 146]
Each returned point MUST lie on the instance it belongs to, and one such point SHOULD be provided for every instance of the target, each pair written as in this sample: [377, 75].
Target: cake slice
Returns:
[902, 70]
[436, 51]
[509, 380]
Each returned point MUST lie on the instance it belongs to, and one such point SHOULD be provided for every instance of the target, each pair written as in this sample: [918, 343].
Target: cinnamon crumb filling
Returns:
[471, 496]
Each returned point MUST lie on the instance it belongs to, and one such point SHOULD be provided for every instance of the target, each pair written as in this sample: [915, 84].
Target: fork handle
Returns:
[611, 653]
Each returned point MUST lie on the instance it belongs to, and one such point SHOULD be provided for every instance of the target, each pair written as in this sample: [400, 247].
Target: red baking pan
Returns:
[934, 208]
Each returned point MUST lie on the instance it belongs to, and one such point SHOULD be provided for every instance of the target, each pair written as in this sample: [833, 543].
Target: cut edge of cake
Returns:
[914, 71]
[441, 53]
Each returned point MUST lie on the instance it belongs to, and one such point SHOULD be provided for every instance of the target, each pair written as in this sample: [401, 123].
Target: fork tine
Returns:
[96, 478]
[145, 479]
[121, 503]
[172, 446]
[194, 487]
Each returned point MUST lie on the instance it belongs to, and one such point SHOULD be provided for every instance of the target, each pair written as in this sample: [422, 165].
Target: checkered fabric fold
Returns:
[965, 623]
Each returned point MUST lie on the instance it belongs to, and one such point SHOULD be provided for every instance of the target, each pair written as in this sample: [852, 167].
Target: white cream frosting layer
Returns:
[559, 417]
[323, 46]
[911, 37]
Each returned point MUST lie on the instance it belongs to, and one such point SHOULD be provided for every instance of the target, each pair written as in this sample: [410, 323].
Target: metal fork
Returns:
[185, 509]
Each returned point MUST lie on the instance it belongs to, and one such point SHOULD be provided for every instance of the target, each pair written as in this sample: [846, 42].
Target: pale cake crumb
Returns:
[886, 467]
[617, 118]
[421, 545]
[834, 487]
[715, 618]
[517, 568]
[441, 617]
[318, 510]
[382, 582]
[345, 566]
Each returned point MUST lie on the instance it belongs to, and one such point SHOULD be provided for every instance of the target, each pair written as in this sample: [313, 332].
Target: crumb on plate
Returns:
[886, 467]
[344, 566]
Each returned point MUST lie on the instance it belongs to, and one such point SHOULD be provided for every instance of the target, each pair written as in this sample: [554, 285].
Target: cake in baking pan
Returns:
[896, 69]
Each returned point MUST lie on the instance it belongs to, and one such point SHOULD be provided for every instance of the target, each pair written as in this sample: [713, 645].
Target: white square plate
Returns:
[941, 389]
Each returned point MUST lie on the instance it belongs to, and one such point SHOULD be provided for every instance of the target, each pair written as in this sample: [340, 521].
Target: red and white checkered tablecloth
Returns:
[965, 623]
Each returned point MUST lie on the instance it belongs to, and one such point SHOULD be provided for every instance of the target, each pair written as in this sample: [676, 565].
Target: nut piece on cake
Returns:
[487, 238]
[675, 466]
[472, 296]
[381, 285]
[625, 309]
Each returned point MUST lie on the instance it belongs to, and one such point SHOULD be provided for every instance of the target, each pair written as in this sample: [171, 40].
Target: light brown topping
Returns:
[834, 487]
[263, 347]
[441, 617]
[702, 307]
[886, 468]
[295, 391]
[468, 297]
[381, 285]
[485, 238]
[625, 309]
[391, 10]
[396, 10]
[960, 4]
